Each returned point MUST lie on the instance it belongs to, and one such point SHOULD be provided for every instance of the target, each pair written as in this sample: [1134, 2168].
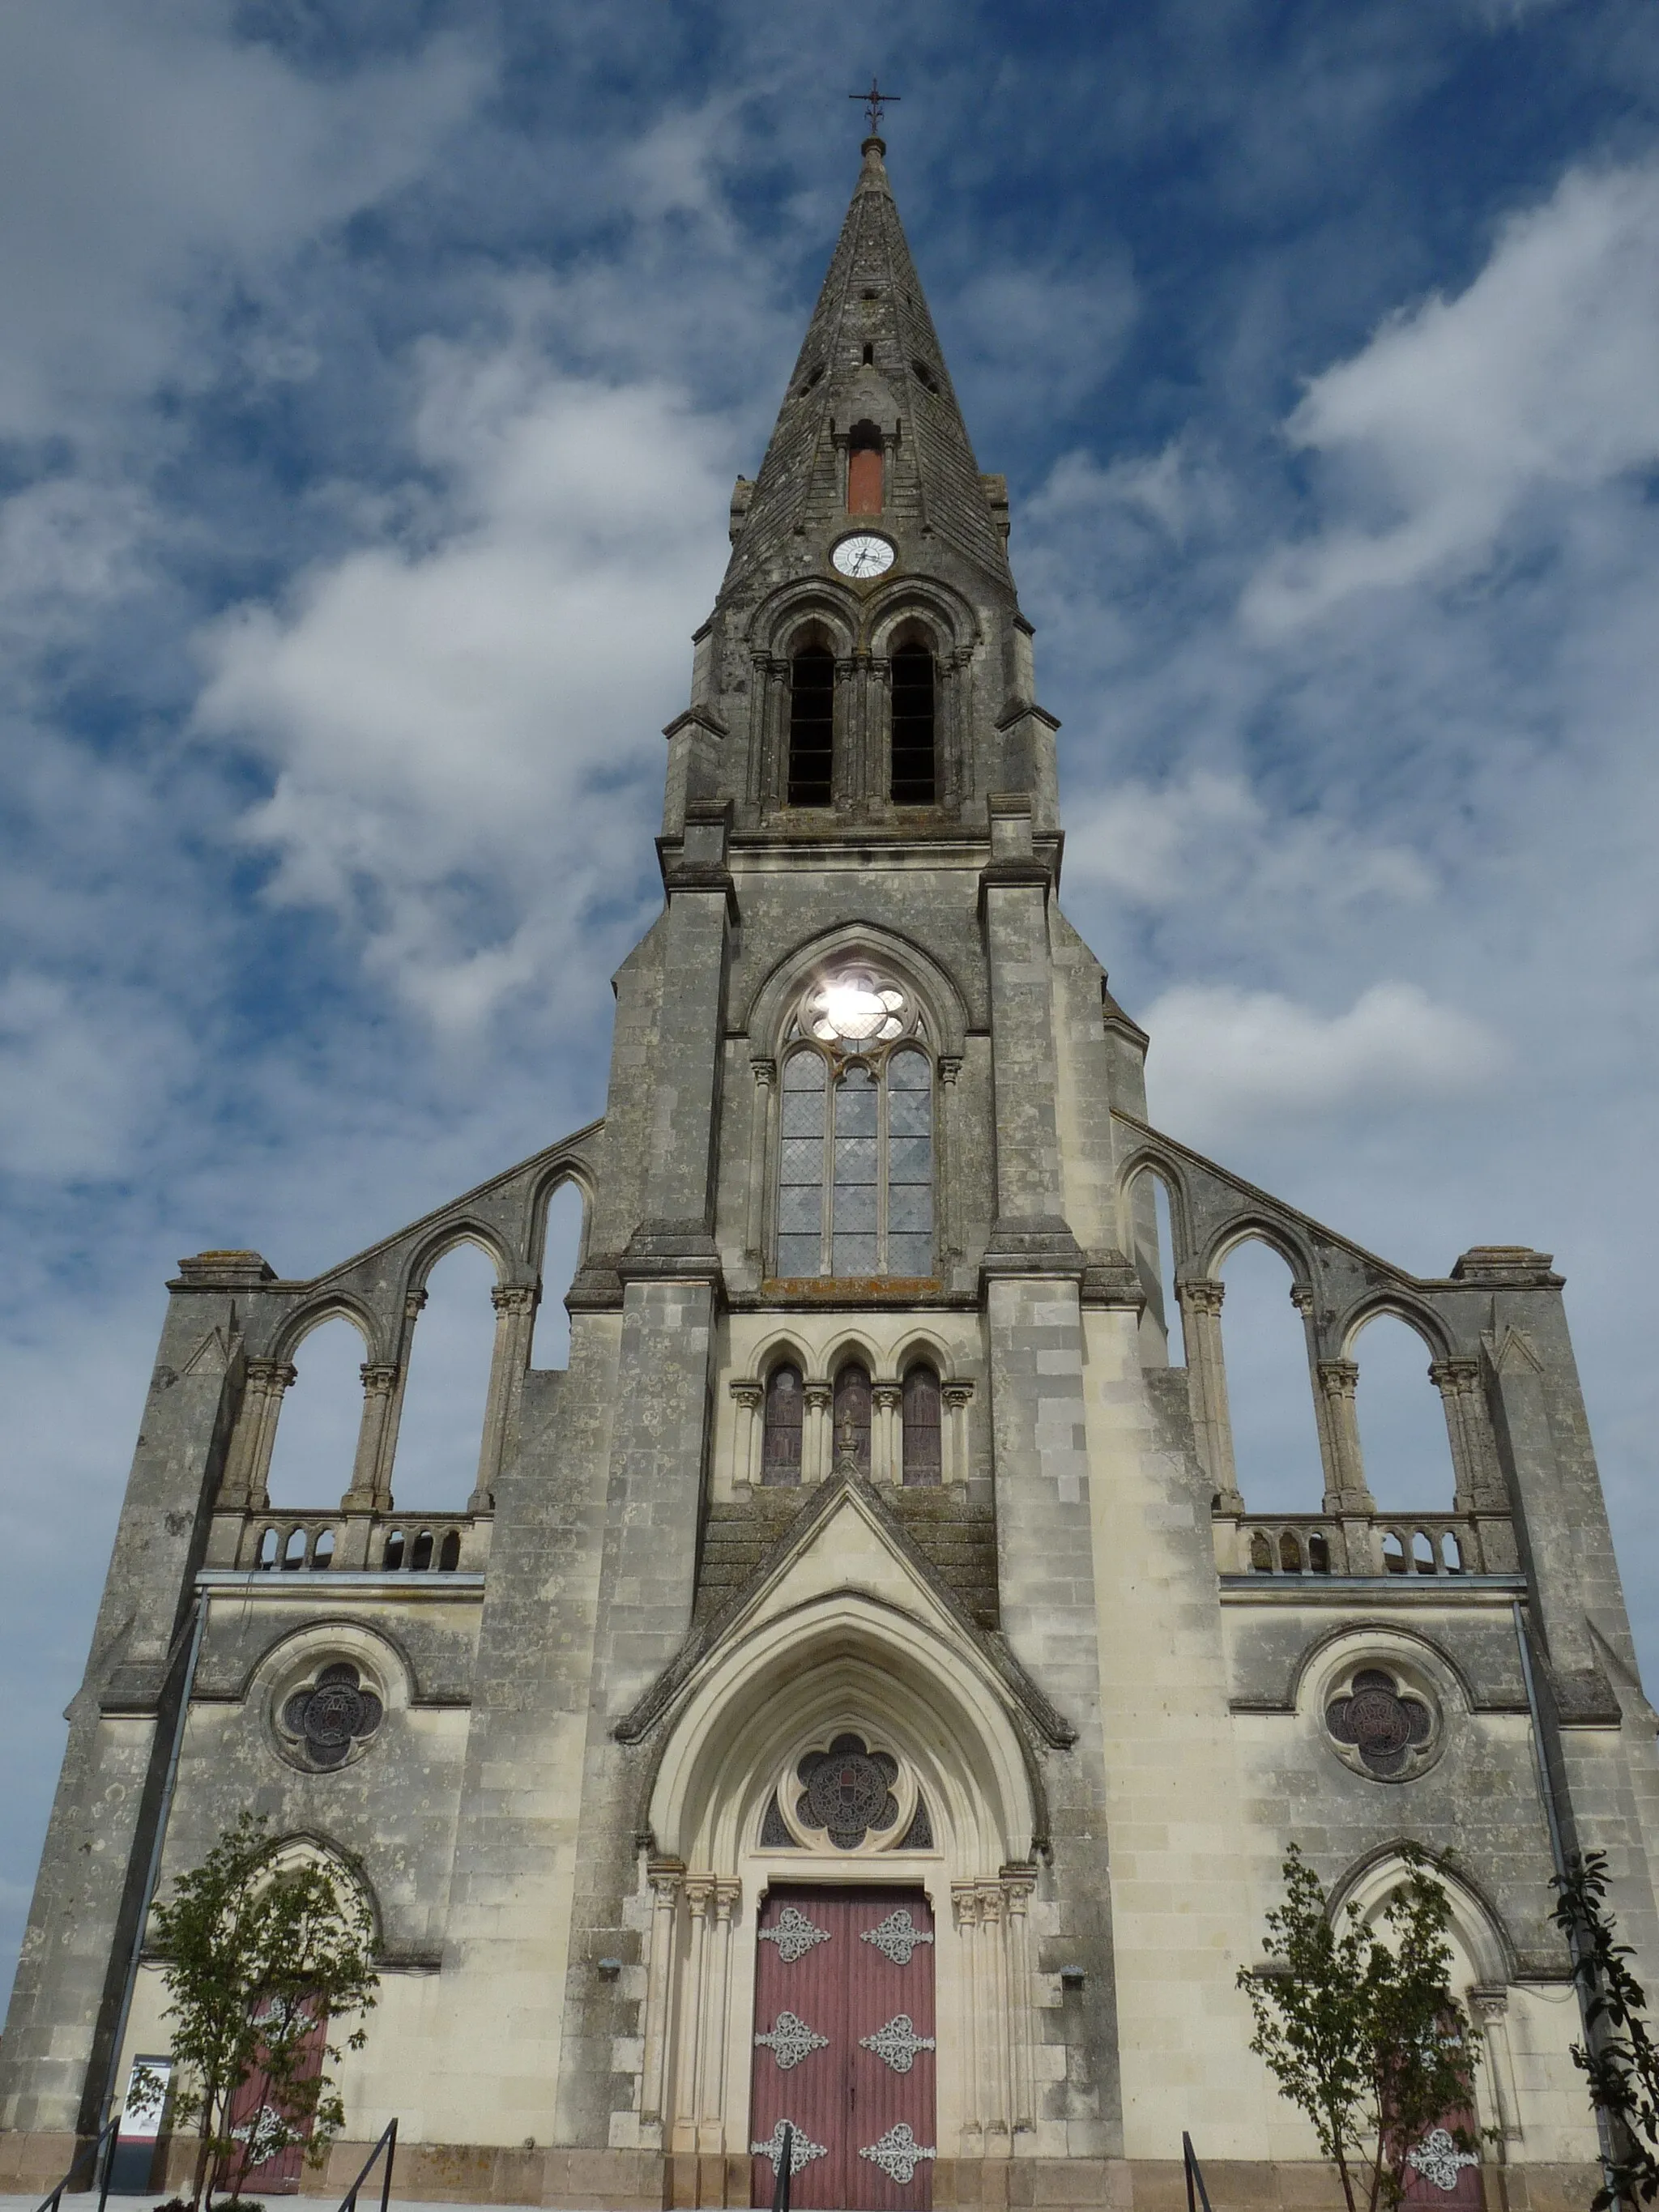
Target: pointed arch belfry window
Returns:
[855, 1151]
[811, 727]
[915, 778]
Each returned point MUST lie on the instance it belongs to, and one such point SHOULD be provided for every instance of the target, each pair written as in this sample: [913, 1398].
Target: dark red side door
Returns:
[845, 2047]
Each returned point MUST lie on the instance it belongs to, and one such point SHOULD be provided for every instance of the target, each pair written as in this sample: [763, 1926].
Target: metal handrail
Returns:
[388, 2143]
[1194, 2175]
[110, 2130]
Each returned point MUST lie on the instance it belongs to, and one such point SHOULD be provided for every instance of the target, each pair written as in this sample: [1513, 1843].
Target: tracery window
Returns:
[855, 1163]
[923, 1439]
[781, 1434]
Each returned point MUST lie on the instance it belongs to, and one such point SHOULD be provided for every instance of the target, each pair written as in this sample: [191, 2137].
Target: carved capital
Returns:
[514, 1297]
[414, 1305]
[817, 1396]
[379, 1377]
[964, 1903]
[1453, 1377]
[272, 1377]
[1338, 1378]
[956, 1394]
[888, 1394]
[728, 1895]
[1200, 1294]
[950, 1066]
[1491, 2001]
[699, 1894]
[1302, 1298]
[748, 1394]
[765, 1074]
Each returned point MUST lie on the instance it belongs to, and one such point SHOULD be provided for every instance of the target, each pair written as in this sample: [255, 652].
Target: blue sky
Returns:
[371, 381]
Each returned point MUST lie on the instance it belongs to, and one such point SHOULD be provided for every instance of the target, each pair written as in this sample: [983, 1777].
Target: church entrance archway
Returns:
[845, 2047]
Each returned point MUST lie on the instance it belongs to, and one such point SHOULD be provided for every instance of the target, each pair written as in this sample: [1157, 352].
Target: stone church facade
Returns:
[857, 1693]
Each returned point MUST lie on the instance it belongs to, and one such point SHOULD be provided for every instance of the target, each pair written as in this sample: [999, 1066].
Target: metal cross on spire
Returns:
[874, 100]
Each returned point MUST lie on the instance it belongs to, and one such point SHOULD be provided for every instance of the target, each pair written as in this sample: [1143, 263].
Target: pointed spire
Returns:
[871, 355]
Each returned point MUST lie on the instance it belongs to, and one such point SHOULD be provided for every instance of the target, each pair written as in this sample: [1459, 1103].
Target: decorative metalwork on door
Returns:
[845, 2049]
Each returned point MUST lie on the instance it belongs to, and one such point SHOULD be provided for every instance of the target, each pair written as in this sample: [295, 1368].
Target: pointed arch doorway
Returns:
[845, 2047]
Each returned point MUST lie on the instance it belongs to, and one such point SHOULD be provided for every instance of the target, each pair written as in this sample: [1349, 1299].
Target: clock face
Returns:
[865, 555]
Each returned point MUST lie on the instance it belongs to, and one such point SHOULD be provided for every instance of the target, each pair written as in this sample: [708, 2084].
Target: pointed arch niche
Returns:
[1270, 1403]
[843, 1664]
[564, 1236]
[315, 1445]
[1402, 1424]
[446, 1393]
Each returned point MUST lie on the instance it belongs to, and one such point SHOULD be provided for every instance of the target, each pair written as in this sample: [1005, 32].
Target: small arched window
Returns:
[781, 1435]
[294, 1553]
[449, 1558]
[851, 1415]
[863, 467]
[811, 727]
[393, 1558]
[420, 1558]
[924, 1457]
[914, 779]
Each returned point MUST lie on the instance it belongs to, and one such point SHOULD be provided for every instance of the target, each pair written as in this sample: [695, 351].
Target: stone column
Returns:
[887, 1441]
[665, 1877]
[1345, 1491]
[371, 1487]
[760, 1146]
[964, 1904]
[247, 1463]
[947, 1239]
[1490, 2006]
[816, 1439]
[1200, 1300]
[958, 1463]
[747, 1400]
[699, 1890]
[1474, 1456]
[515, 1314]
[995, 2043]
[1016, 1889]
[711, 2126]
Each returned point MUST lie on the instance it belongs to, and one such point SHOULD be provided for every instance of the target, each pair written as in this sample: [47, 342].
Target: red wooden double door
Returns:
[845, 2049]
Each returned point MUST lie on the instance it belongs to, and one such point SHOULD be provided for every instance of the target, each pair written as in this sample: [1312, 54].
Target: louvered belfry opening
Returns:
[811, 727]
[914, 779]
[864, 470]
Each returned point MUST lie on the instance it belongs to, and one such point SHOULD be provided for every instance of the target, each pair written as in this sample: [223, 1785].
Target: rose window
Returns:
[847, 1791]
[856, 1008]
[1387, 1730]
[331, 1718]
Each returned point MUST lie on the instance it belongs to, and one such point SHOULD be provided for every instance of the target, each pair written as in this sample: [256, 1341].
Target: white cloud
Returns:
[451, 721]
[1222, 1057]
[1537, 378]
[80, 1070]
[154, 151]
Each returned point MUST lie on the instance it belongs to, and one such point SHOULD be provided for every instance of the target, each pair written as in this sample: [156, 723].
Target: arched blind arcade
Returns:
[811, 727]
[855, 1167]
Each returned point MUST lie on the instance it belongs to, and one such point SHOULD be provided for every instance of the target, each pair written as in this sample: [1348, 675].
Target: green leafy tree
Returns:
[1360, 2029]
[1618, 2055]
[258, 1959]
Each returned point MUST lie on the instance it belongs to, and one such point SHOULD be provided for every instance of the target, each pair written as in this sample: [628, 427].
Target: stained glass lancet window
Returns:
[780, 1437]
[909, 1164]
[800, 1172]
[854, 1209]
[924, 1459]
